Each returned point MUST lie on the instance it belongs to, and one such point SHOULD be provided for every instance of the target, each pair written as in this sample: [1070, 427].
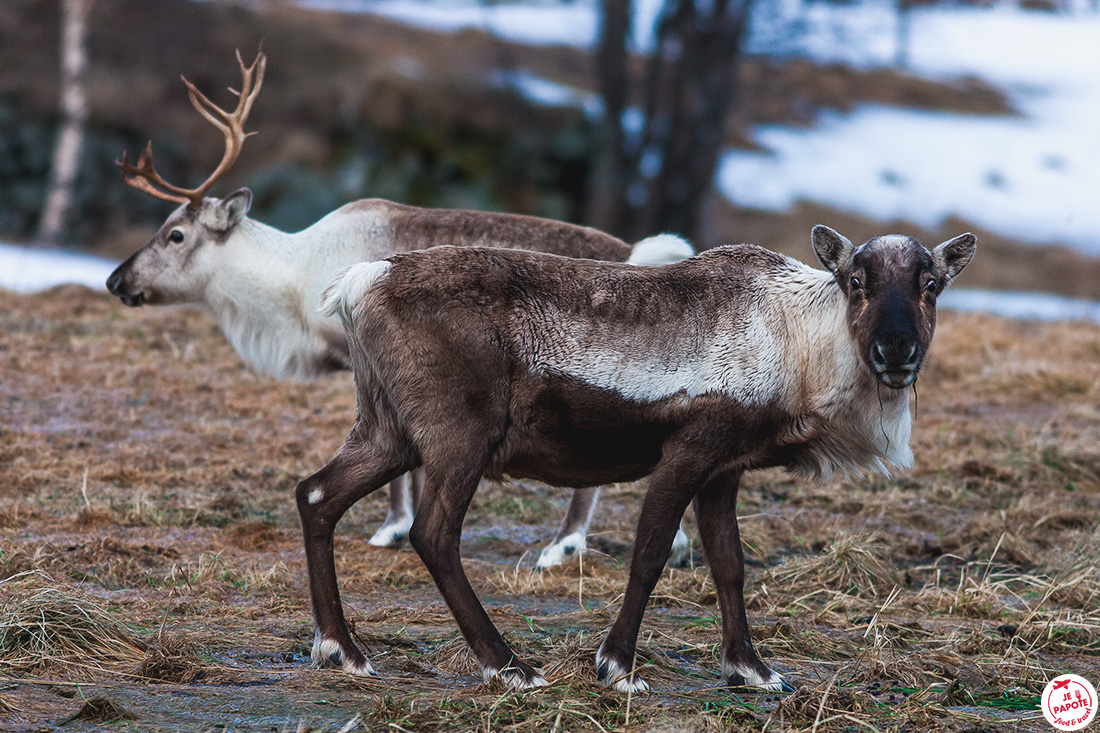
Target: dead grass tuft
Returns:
[93, 518]
[783, 639]
[452, 658]
[17, 516]
[253, 536]
[856, 564]
[100, 710]
[171, 659]
[62, 626]
[824, 703]
[571, 659]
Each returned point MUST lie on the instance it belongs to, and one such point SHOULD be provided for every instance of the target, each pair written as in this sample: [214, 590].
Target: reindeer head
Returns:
[175, 265]
[168, 269]
[891, 283]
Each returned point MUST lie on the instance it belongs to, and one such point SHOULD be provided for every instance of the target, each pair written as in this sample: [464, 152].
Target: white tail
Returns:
[660, 249]
[349, 287]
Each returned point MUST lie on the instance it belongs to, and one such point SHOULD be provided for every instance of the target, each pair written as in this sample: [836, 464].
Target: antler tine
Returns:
[144, 177]
[219, 117]
[248, 90]
[231, 124]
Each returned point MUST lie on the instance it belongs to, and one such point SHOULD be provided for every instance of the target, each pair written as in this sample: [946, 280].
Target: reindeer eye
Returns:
[176, 236]
[855, 284]
[931, 286]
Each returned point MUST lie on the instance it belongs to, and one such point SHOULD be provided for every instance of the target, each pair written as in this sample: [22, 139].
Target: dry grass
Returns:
[171, 658]
[100, 710]
[852, 564]
[938, 600]
[45, 627]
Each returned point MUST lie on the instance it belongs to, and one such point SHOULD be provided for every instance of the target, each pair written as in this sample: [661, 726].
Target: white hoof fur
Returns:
[617, 678]
[327, 654]
[513, 680]
[680, 555]
[559, 551]
[773, 681]
[392, 534]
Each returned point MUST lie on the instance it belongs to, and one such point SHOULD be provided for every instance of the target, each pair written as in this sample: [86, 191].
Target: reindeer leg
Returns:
[680, 554]
[716, 513]
[416, 485]
[670, 491]
[399, 518]
[358, 468]
[435, 536]
[570, 540]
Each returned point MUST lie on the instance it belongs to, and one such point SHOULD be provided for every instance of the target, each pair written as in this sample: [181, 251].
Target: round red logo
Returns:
[1069, 702]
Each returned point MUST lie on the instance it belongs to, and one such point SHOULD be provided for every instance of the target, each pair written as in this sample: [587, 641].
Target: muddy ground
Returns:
[155, 578]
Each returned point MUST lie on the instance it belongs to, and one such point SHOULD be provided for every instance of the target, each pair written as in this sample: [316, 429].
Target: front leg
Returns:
[670, 491]
[716, 514]
[435, 535]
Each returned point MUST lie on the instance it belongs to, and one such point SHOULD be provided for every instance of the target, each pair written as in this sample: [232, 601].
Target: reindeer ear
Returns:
[832, 248]
[227, 213]
[955, 254]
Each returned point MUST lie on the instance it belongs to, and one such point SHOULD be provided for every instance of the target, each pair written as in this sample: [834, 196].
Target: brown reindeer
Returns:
[263, 285]
[478, 362]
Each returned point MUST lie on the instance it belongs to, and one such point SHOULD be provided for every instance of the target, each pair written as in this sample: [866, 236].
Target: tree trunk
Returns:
[74, 114]
[606, 199]
[661, 178]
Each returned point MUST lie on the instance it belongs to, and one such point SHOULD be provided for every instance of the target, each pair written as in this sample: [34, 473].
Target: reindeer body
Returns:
[740, 334]
[263, 285]
[489, 363]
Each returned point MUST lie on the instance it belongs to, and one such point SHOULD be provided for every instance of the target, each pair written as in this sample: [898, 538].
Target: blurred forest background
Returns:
[357, 105]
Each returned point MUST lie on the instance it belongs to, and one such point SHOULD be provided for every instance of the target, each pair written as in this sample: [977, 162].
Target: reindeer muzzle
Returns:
[116, 287]
[896, 361]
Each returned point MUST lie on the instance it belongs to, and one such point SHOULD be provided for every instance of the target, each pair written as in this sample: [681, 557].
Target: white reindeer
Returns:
[263, 285]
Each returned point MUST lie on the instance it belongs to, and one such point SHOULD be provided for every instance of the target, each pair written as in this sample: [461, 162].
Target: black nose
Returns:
[894, 353]
[113, 283]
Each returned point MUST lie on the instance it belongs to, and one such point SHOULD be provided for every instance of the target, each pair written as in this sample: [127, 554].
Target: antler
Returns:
[144, 176]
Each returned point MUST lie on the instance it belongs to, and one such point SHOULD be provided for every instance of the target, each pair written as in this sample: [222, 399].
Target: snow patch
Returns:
[27, 269]
[1021, 306]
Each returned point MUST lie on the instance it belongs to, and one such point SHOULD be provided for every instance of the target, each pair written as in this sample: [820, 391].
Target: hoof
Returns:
[391, 535]
[328, 654]
[610, 673]
[519, 678]
[561, 551]
[743, 675]
[680, 554]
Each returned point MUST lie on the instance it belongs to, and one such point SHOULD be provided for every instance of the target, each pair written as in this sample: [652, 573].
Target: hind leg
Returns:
[570, 540]
[365, 463]
[399, 518]
[680, 554]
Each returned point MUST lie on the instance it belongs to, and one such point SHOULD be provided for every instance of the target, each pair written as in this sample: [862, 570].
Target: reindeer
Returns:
[263, 285]
[475, 362]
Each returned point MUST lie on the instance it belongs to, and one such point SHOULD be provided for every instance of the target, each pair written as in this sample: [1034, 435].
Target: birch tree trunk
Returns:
[74, 114]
